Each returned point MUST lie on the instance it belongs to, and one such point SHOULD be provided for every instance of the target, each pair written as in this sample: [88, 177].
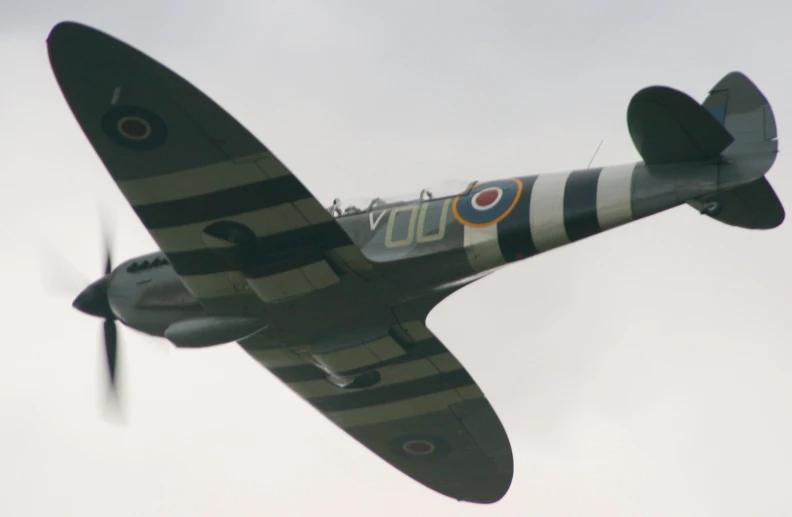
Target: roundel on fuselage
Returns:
[487, 203]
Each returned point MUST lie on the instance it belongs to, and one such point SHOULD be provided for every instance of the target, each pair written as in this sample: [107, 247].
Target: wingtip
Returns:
[482, 492]
[485, 500]
[62, 28]
[70, 43]
[68, 32]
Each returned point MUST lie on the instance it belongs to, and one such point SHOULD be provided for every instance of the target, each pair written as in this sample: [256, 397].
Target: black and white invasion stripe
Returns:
[257, 192]
[427, 380]
[554, 209]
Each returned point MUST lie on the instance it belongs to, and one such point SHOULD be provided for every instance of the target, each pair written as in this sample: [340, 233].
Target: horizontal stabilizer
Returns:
[667, 126]
[754, 206]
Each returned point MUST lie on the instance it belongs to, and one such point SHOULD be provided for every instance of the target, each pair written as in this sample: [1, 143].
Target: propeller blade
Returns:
[108, 249]
[111, 350]
[107, 239]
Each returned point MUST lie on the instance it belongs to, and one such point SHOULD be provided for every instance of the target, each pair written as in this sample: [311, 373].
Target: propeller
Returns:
[61, 278]
[93, 300]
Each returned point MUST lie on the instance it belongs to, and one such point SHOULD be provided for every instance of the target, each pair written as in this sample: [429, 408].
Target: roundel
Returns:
[134, 127]
[487, 203]
[420, 447]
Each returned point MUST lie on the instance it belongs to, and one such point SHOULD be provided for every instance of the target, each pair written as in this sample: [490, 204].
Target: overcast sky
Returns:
[642, 372]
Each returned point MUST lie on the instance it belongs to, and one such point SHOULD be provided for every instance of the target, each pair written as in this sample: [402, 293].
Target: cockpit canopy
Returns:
[360, 205]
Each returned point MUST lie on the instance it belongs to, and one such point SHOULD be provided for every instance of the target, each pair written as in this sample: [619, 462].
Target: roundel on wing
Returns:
[487, 203]
[419, 447]
[134, 127]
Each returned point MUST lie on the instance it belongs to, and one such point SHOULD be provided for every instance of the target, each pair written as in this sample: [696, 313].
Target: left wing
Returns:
[227, 213]
[414, 405]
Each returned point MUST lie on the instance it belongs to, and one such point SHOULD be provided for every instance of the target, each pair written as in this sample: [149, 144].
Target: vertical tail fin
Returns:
[745, 113]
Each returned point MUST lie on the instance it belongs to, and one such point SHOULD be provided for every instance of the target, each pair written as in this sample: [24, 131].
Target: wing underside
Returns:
[425, 416]
[232, 219]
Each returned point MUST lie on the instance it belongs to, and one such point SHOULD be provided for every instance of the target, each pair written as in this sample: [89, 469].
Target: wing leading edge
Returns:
[232, 219]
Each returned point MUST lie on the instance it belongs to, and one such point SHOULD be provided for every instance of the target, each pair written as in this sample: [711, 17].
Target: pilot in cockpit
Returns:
[335, 208]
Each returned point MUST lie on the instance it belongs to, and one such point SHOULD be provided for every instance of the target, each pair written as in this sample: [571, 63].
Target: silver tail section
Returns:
[747, 199]
[721, 149]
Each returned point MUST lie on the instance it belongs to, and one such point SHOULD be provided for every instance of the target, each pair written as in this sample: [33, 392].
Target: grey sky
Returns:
[640, 372]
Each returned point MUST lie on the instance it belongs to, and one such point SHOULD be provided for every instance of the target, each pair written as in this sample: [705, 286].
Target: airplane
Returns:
[333, 300]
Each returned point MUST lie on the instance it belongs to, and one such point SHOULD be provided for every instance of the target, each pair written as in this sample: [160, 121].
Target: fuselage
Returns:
[433, 246]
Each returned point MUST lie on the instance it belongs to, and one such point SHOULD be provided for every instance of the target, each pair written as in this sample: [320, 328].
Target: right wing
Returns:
[426, 415]
[227, 213]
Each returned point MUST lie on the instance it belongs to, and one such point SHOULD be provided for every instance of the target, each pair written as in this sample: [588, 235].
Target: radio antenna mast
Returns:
[595, 154]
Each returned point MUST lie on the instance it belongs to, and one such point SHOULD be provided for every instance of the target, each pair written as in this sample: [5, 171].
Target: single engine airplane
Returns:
[333, 300]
